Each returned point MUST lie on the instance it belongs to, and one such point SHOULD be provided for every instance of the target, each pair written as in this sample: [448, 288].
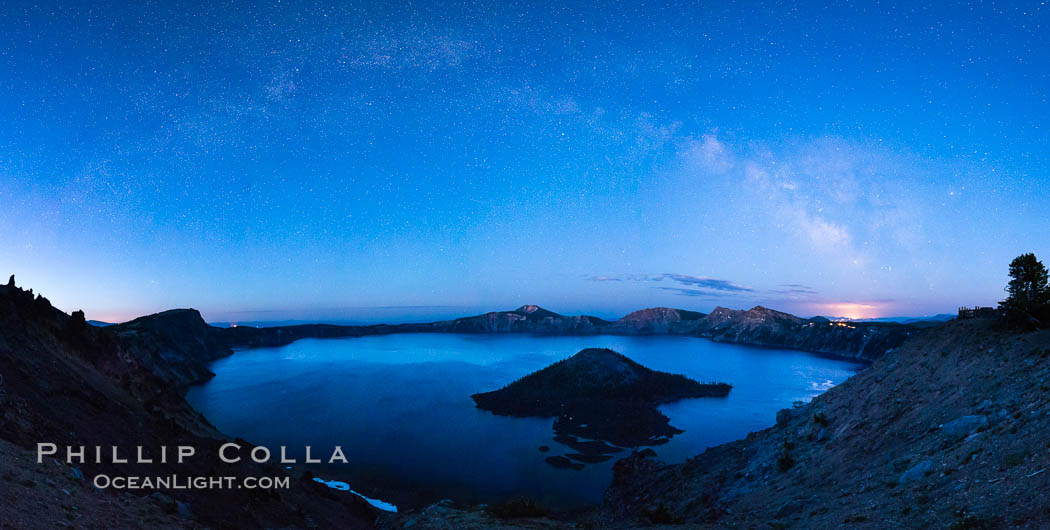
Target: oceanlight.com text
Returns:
[176, 482]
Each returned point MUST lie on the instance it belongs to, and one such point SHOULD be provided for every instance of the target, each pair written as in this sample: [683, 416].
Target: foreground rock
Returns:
[447, 515]
[601, 395]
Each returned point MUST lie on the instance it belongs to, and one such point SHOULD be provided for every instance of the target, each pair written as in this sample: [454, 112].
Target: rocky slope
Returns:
[65, 382]
[948, 430]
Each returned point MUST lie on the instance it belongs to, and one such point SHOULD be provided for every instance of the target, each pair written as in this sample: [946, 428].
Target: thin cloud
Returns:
[708, 283]
[795, 290]
[694, 283]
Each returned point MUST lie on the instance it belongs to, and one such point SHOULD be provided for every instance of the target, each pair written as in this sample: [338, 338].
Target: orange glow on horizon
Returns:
[851, 310]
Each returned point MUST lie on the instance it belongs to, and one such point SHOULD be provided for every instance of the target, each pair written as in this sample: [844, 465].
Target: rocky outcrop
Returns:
[947, 430]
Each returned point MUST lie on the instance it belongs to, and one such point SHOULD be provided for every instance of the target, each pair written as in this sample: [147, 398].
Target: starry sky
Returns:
[414, 160]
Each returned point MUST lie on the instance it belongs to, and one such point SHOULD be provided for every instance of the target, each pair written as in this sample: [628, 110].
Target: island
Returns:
[602, 402]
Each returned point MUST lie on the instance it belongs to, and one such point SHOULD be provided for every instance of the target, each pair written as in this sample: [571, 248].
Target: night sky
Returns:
[398, 161]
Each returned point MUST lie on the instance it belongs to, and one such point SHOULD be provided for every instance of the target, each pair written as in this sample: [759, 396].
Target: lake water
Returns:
[400, 408]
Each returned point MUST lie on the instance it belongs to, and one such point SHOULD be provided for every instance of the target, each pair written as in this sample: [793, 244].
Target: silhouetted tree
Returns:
[1028, 294]
[10, 281]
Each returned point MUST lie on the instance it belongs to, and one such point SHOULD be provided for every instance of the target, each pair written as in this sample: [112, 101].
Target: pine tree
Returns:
[1028, 292]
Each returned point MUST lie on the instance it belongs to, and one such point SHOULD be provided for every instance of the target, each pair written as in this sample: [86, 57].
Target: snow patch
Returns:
[822, 385]
[343, 486]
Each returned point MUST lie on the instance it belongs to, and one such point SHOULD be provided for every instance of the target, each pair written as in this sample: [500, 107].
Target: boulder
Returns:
[822, 435]
[183, 509]
[964, 426]
[789, 508]
[917, 472]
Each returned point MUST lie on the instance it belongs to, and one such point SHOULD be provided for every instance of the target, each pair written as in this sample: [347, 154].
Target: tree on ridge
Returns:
[1028, 294]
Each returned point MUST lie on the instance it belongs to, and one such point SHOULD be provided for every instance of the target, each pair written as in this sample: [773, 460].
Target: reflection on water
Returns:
[400, 407]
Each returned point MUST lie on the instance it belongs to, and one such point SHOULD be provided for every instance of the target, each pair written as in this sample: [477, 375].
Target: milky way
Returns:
[331, 160]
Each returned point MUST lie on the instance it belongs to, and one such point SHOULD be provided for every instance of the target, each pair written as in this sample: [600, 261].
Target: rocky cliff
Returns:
[174, 345]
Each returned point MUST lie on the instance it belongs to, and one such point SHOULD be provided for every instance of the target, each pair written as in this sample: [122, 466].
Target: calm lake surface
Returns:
[400, 407]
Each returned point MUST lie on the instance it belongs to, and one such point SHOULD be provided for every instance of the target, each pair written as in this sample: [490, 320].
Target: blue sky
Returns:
[315, 160]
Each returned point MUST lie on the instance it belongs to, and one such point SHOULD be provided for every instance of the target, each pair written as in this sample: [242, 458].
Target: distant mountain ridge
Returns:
[938, 318]
[757, 326]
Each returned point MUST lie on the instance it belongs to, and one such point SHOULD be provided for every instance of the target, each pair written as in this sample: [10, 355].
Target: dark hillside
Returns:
[65, 382]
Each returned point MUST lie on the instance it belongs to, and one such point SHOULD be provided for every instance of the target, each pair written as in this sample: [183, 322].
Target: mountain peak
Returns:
[535, 311]
[662, 314]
